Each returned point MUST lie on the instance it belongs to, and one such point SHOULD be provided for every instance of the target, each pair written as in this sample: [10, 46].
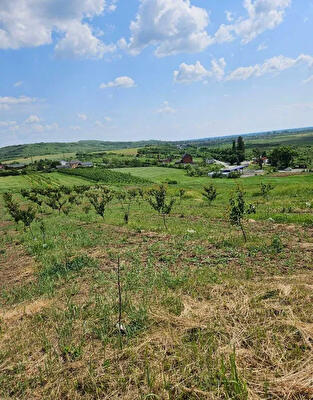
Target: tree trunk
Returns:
[164, 221]
[243, 232]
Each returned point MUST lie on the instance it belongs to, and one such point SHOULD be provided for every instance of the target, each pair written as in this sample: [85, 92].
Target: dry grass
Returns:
[49, 348]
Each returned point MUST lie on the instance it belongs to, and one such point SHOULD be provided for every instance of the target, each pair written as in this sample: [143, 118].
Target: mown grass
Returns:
[205, 315]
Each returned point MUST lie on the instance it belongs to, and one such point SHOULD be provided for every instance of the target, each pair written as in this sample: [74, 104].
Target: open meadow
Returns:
[202, 313]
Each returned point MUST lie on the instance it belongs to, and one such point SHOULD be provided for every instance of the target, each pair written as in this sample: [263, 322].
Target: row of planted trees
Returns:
[63, 199]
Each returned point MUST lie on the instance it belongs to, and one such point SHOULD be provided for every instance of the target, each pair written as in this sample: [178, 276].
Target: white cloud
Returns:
[44, 128]
[6, 124]
[262, 47]
[308, 80]
[229, 16]
[32, 119]
[166, 109]
[262, 15]
[172, 26]
[272, 65]
[82, 116]
[32, 23]
[7, 102]
[101, 124]
[120, 82]
[19, 83]
[80, 42]
[197, 72]
[75, 128]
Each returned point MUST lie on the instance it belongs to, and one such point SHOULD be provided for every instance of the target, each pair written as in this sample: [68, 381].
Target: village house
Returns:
[15, 166]
[186, 159]
[166, 160]
[74, 164]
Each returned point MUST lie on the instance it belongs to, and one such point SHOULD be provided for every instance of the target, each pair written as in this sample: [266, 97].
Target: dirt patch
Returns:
[16, 267]
[25, 310]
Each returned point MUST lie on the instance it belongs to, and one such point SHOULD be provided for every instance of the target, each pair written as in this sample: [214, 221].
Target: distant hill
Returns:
[83, 146]
[301, 136]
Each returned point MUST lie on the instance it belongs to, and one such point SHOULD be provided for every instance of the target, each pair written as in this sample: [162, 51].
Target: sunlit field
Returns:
[204, 314]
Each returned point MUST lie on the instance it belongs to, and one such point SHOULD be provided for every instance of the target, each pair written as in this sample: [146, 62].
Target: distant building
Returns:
[2, 166]
[166, 160]
[74, 164]
[186, 159]
[63, 163]
[15, 166]
[238, 168]
[87, 164]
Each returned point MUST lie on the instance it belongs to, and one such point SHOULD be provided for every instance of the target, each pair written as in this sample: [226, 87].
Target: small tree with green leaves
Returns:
[158, 200]
[99, 198]
[32, 195]
[210, 193]
[19, 214]
[57, 200]
[265, 189]
[127, 199]
[181, 194]
[239, 209]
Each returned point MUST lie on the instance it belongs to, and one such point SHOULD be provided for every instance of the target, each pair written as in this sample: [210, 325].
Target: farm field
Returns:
[28, 160]
[132, 151]
[205, 314]
[16, 183]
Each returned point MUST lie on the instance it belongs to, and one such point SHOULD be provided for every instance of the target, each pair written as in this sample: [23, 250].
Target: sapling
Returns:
[239, 209]
[25, 215]
[157, 198]
[127, 198]
[56, 199]
[31, 195]
[181, 194]
[266, 189]
[209, 193]
[100, 198]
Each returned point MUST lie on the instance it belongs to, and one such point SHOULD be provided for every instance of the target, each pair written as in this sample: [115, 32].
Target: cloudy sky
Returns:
[153, 69]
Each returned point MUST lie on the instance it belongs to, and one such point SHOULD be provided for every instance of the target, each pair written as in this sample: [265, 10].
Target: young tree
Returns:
[56, 199]
[99, 198]
[209, 193]
[265, 189]
[157, 198]
[25, 215]
[127, 198]
[32, 195]
[239, 209]
[181, 194]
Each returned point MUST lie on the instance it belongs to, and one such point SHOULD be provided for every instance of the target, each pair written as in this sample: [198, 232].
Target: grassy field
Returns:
[205, 315]
[28, 160]
[15, 183]
[126, 152]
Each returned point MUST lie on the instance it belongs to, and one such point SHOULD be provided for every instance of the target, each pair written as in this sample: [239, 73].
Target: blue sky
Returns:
[153, 69]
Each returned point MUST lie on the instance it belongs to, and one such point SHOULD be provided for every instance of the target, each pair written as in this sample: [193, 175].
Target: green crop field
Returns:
[15, 183]
[204, 314]
[105, 176]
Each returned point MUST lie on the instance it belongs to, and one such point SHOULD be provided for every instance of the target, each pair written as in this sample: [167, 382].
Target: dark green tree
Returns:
[282, 157]
[241, 149]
